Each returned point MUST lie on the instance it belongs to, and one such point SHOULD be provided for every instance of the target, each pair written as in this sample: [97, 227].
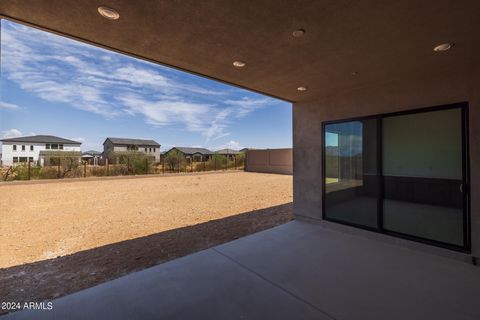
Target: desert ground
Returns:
[60, 237]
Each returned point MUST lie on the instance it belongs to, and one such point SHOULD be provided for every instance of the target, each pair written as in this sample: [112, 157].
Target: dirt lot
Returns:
[57, 238]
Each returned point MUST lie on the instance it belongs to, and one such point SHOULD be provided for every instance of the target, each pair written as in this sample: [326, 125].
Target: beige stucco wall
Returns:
[270, 160]
[382, 98]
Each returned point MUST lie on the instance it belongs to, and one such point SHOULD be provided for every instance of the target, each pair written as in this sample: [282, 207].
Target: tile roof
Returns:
[41, 139]
[127, 141]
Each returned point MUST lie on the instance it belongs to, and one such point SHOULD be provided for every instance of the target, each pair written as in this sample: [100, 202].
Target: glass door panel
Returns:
[423, 175]
[351, 177]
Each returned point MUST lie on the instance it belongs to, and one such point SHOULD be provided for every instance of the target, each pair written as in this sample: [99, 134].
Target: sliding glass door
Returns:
[403, 174]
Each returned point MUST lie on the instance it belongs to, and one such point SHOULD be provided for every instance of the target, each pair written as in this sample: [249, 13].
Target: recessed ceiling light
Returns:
[239, 64]
[298, 33]
[109, 13]
[302, 88]
[443, 47]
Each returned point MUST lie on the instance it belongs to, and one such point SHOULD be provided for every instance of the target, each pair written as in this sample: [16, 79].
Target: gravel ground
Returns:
[57, 238]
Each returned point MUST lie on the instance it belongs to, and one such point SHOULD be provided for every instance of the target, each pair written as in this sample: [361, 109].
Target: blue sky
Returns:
[54, 85]
[331, 139]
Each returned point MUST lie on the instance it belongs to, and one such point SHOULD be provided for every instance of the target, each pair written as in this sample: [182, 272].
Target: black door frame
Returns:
[463, 106]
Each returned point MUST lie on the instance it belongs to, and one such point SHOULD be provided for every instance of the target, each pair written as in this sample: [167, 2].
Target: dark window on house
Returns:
[150, 149]
[54, 146]
[47, 146]
[60, 146]
[14, 147]
[23, 159]
[30, 159]
[145, 149]
[31, 148]
[15, 159]
[154, 149]
[23, 147]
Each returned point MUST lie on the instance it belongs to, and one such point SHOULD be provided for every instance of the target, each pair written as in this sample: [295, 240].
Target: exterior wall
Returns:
[270, 160]
[8, 153]
[155, 154]
[118, 148]
[388, 97]
[107, 148]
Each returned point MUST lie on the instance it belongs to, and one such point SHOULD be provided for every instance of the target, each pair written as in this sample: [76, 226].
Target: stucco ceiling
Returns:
[347, 44]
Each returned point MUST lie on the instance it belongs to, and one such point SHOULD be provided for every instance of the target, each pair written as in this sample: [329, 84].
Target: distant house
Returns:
[92, 157]
[245, 150]
[149, 147]
[229, 153]
[38, 149]
[197, 154]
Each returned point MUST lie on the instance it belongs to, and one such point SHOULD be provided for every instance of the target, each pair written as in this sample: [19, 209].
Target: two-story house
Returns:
[31, 148]
[149, 147]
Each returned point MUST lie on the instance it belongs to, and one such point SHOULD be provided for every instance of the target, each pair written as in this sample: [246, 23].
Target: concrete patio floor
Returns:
[298, 270]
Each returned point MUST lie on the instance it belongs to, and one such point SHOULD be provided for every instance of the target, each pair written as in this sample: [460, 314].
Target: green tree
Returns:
[137, 162]
[175, 160]
[217, 162]
[68, 163]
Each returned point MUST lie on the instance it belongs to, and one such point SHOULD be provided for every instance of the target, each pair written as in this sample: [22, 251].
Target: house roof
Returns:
[189, 150]
[137, 142]
[41, 139]
[227, 151]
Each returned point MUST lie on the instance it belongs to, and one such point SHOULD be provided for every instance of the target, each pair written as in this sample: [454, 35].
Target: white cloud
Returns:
[9, 106]
[88, 78]
[247, 105]
[232, 144]
[11, 133]
[167, 112]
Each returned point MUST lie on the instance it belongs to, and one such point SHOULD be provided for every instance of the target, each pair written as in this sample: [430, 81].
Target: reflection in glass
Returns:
[351, 179]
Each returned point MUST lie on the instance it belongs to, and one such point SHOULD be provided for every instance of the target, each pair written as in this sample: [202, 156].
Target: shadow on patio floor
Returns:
[57, 277]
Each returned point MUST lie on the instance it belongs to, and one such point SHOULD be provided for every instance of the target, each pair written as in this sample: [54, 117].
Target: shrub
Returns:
[98, 171]
[117, 170]
[175, 161]
[135, 162]
[8, 173]
[217, 162]
[239, 160]
[21, 172]
[48, 173]
[67, 163]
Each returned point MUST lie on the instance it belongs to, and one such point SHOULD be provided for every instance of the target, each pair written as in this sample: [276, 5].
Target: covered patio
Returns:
[368, 71]
[300, 270]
